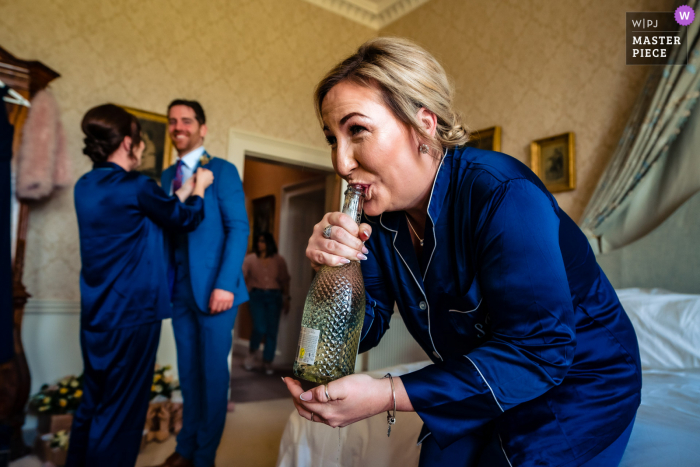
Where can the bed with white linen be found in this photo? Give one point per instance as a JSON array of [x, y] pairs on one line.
[[667, 428]]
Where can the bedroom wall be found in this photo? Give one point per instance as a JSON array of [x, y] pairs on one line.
[[251, 63], [538, 68]]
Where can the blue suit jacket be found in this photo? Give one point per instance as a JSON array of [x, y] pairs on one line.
[[216, 249], [121, 217], [526, 333]]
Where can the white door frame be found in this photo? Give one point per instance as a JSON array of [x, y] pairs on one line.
[[289, 191], [242, 143]]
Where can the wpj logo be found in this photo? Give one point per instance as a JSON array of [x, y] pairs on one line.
[[650, 23], [654, 38]]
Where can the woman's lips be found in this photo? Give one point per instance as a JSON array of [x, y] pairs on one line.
[[364, 187]]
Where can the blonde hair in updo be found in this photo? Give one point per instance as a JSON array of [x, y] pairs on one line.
[[409, 78]]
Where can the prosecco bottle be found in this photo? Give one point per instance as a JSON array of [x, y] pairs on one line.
[[333, 314]]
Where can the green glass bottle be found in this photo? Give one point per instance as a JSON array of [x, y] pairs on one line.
[[333, 314]]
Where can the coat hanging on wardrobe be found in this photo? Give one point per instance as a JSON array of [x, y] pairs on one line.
[[6, 310]]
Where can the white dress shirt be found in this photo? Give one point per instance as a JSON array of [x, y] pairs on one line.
[[189, 163]]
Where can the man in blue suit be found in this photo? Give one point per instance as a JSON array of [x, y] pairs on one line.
[[208, 287]]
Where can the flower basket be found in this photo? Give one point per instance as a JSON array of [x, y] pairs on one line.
[[55, 404], [163, 417], [53, 423]]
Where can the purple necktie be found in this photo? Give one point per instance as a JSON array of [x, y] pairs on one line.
[[177, 181]]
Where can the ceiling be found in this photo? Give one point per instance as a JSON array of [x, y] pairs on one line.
[[372, 13]]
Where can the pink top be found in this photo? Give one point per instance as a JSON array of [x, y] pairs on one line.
[[265, 273]]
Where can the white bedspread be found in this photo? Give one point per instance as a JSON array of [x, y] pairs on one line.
[[667, 429], [666, 433]]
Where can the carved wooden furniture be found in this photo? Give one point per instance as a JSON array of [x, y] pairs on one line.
[[27, 78]]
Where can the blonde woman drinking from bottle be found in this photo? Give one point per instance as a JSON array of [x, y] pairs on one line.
[[534, 360]]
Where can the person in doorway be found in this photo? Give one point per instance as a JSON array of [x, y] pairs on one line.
[[534, 360], [208, 288], [267, 279], [123, 285]]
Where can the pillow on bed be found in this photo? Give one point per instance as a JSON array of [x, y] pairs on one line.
[[667, 326]]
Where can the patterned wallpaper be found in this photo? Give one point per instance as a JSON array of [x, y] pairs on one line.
[[534, 67], [251, 63], [538, 68]]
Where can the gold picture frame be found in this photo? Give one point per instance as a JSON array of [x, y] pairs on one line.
[[488, 138], [553, 159], [157, 156]]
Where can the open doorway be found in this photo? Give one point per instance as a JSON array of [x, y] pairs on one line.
[[303, 205], [286, 200]]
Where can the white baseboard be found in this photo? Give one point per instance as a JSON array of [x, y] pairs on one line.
[[37, 306]]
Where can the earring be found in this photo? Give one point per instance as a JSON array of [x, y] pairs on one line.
[[424, 149]]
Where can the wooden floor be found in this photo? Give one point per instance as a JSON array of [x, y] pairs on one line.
[[252, 433]]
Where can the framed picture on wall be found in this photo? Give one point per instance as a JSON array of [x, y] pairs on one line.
[[553, 159], [488, 138], [263, 215], [157, 156]]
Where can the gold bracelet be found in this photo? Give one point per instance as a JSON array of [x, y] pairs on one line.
[[391, 418]]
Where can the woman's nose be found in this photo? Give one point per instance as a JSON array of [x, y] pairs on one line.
[[345, 161]]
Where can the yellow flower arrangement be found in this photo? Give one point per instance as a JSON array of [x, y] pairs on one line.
[[60, 398], [163, 384]]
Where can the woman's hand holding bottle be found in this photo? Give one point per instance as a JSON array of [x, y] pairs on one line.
[[346, 241]]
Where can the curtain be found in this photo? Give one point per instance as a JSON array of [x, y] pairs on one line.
[[674, 179], [662, 109]]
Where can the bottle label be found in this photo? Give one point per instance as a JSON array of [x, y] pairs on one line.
[[308, 343]]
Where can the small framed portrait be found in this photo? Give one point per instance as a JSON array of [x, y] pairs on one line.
[[263, 215], [488, 138], [157, 156], [553, 159]]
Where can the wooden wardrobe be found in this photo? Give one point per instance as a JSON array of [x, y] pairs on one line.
[[27, 78]]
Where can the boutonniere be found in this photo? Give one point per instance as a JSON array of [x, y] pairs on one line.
[[204, 160]]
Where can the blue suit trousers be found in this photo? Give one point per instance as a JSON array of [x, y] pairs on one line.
[[203, 344], [117, 379]]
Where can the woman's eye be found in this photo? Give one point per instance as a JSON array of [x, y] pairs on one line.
[[331, 140], [357, 129]]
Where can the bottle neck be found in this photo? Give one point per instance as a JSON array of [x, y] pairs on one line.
[[352, 206]]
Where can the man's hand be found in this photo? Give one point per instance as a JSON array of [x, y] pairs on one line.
[[220, 300], [285, 305]]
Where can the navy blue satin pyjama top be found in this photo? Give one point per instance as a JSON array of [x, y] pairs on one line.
[[526, 334]]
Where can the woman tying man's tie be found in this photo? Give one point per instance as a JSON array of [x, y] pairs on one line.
[[123, 284]]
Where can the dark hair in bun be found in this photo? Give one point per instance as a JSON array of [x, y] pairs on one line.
[[105, 127]]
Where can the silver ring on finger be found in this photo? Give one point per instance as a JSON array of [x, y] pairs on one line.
[[325, 389], [327, 231], [312, 416]]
